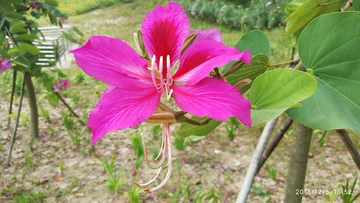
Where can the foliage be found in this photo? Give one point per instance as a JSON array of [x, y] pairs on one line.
[[136, 140], [183, 192], [345, 192], [134, 195], [258, 15], [272, 172], [76, 7], [211, 196], [28, 160], [335, 67], [114, 183]]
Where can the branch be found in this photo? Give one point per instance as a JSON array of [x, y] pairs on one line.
[[250, 174], [70, 109], [284, 63], [275, 142], [16, 121], [12, 98], [350, 146], [347, 6]]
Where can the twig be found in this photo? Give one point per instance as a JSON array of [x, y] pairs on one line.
[[16, 121], [275, 142], [350, 146], [298, 66], [63, 101], [284, 63], [12, 98], [250, 174], [347, 6]]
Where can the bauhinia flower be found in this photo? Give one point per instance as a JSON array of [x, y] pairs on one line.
[[63, 84], [35, 5], [136, 84], [4, 64]]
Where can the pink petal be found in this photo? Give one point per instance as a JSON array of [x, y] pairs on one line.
[[113, 62], [202, 57], [213, 98], [164, 31], [119, 109], [213, 34]]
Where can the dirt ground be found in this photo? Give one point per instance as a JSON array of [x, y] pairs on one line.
[[214, 162]]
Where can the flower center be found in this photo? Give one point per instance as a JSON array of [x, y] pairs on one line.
[[157, 74]]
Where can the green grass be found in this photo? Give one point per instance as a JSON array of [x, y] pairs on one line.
[[75, 7]]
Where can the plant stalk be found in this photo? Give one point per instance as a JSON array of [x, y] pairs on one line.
[[298, 163], [70, 109], [12, 98], [284, 63], [34, 116], [16, 121], [350, 146], [250, 174], [275, 142]]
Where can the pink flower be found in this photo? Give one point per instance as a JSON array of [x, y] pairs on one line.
[[136, 85], [4, 64], [132, 98], [182, 161], [63, 20], [35, 5], [257, 178], [57, 87], [65, 83]]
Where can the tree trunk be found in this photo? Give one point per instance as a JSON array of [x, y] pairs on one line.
[[34, 116], [297, 164]]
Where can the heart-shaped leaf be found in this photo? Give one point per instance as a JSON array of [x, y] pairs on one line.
[[329, 49], [275, 91]]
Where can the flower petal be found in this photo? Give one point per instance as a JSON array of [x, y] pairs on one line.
[[213, 98], [164, 31], [113, 62], [202, 57], [119, 109], [213, 34]]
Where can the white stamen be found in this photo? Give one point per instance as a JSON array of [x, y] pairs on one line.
[[169, 95], [157, 174], [169, 154], [161, 74], [153, 73]]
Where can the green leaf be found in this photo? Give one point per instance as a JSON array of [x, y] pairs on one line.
[[304, 9], [52, 2], [259, 64], [14, 15], [292, 6], [4, 5], [196, 138], [2, 21], [60, 73], [331, 52], [356, 5], [298, 23], [15, 50], [22, 61], [275, 91], [29, 48], [18, 28], [187, 129], [26, 37], [78, 31], [36, 15], [16, 2], [256, 42]]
